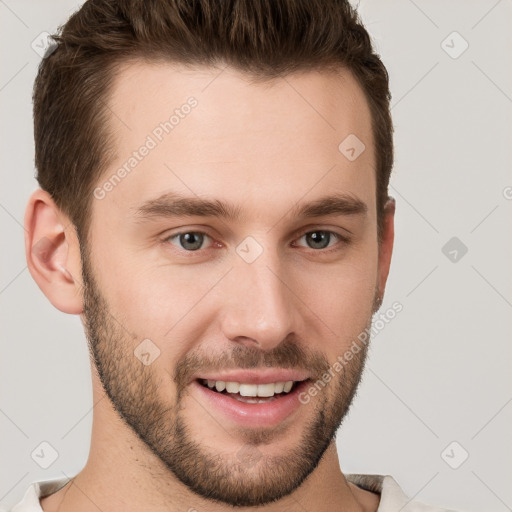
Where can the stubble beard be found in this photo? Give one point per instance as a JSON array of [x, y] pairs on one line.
[[245, 477]]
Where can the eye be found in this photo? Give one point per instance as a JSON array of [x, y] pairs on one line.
[[189, 240], [320, 239]]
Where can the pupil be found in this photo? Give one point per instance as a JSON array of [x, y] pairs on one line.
[[319, 237], [194, 239]]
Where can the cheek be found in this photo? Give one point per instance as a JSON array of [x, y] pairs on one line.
[[160, 302], [155, 300], [342, 296]]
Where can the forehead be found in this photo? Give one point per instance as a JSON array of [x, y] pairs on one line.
[[215, 131]]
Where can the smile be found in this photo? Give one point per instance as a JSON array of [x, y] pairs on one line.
[[250, 393], [262, 405]]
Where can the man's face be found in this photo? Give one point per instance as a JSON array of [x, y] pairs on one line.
[[267, 297]]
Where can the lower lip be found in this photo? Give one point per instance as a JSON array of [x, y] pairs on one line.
[[266, 414]]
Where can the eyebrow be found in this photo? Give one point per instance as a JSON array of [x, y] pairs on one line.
[[172, 204]]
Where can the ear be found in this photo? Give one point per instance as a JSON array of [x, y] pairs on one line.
[[386, 246], [53, 253]]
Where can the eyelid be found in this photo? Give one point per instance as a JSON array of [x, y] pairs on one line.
[[313, 229]]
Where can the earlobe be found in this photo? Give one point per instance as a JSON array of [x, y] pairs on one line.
[[53, 253]]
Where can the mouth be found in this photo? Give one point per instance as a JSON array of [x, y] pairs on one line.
[[251, 393], [249, 404]]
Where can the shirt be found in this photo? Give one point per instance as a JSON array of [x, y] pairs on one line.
[[392, 497]]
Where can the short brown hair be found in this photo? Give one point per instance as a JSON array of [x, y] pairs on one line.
[[265, 38]]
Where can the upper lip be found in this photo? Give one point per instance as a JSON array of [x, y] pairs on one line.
[[264, 376]]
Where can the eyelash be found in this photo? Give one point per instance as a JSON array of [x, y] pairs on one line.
[[343, 239]]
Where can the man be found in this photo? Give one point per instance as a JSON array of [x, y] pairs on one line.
[[214, 206]]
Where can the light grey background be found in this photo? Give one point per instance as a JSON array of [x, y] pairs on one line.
[[438, 373]]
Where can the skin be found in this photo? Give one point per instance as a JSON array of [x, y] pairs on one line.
[[265, 149]]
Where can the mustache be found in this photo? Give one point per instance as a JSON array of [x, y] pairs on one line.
[[289, 355]]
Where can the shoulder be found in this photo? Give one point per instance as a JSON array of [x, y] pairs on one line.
[[37, 490], [392, 496]]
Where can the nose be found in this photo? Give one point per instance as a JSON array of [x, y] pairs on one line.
[[259, 311]]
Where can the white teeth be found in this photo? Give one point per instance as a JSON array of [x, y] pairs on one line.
[[232, 387], [248, 389], [254, 400], [251, 390], [279, 387], [287, 386], [266, 389], [220, 385]]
